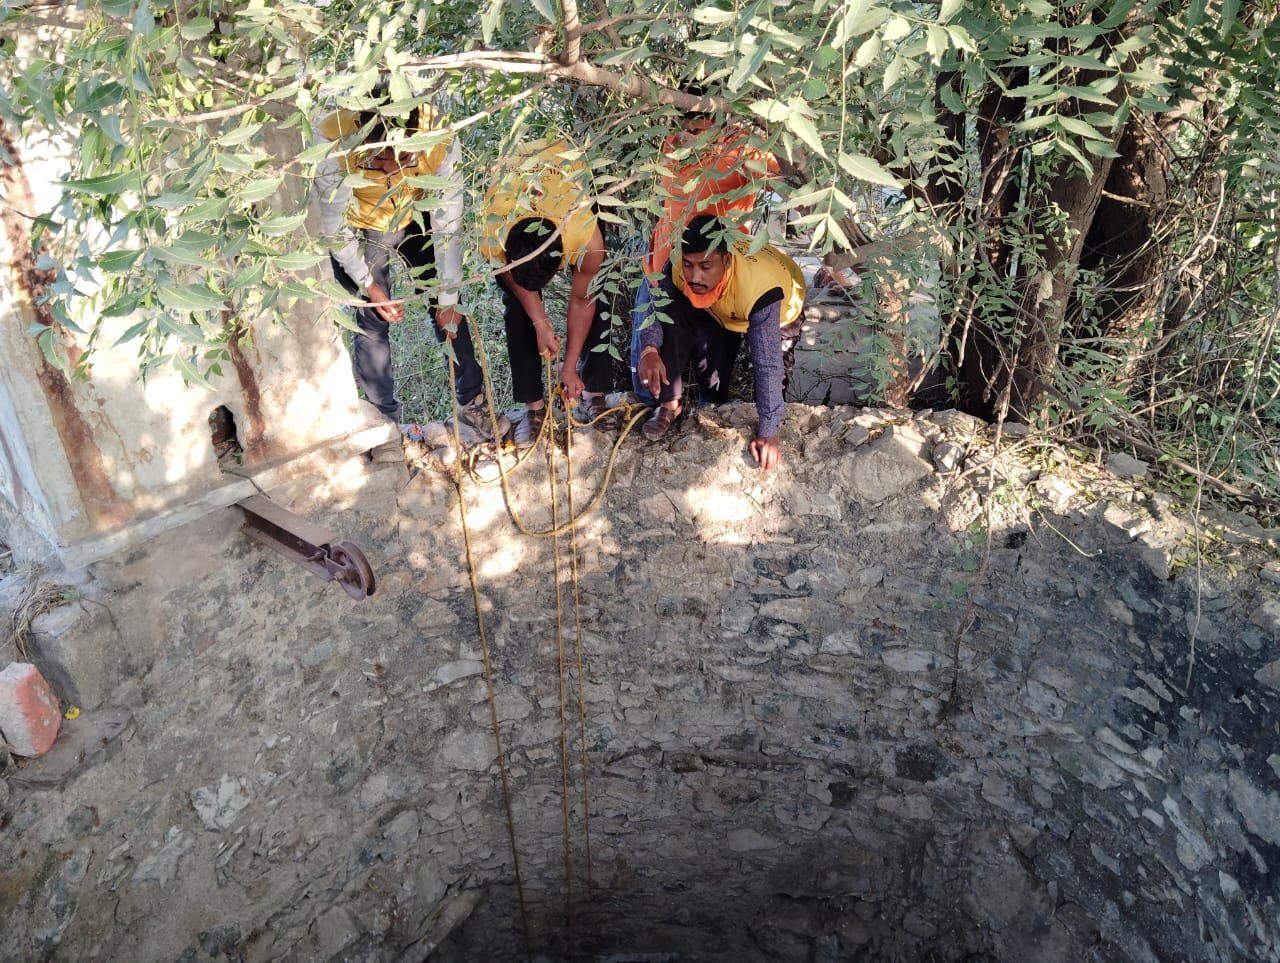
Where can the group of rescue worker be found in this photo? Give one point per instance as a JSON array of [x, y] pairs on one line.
[[706, 283]]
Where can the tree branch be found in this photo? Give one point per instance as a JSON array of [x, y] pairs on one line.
[[606, 24], [583, 71], [572, 33]]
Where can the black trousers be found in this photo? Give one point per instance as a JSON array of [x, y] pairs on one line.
[[694, 333], [596, 368]]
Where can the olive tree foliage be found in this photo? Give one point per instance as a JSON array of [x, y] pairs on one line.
[[1090, 185]]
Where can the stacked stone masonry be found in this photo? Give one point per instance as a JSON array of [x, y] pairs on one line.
[[775, 763]]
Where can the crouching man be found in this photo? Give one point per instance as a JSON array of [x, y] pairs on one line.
[[716, 293]]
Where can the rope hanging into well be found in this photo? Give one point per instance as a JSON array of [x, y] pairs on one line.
[[488, 674], [547, 433], [582, 703], [564, 745]]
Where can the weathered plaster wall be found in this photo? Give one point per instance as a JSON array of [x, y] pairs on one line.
[[770, 771], [81, 460]]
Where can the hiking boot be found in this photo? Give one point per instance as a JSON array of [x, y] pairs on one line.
[[474, 424], [656, 428], [529, 427], [597, 413]]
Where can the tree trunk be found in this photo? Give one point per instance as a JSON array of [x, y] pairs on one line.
[[1121, 246]]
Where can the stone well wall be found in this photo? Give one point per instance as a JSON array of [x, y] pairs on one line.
[[774, 768]]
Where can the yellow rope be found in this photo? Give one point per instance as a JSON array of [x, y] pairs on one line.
[[488, 675], [632, 415], [564, 744], [629, 411], [582, 707]]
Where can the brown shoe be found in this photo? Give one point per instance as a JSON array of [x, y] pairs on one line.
[[656, 428], [597, 413], [529, 427]]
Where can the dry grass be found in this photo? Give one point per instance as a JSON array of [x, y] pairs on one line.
[[39, 596]]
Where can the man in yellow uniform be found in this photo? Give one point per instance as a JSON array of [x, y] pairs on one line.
[[717, 292], [371, 221], [711, 167], [539, 219]]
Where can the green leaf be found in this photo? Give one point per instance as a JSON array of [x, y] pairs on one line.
[[546, 9], [936, 42], [281, 224], [106, 184], [124, 305], [712, 14], [211, 209], [1119, 12], [134, 331], [181, 254], [803, 127], [1101, 148], [240, 135], [771, 110], [256, 190], [99, 98], [316, 152], [296, 289], [1077, 126], [50, 351], [1036, 121], [191, 297], [190, 374], [868, 51], [893, 72], [866, 169], [144, 20], [858, 19], [298, 260], [252, 276], [196, 28], [1143, 76], [119, 261], [949, 9], [712, 48], [490, 19], [171, 202], [1061, 143], [950, 99], [898, 28], [961, 39], [1230, 10], [748, 66]]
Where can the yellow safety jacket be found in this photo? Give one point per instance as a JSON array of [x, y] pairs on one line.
[[385, 202], [747, 279], [538, 181]]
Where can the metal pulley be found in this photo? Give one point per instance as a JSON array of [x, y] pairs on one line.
[[314, 548]]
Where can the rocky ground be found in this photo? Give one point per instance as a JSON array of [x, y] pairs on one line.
[[907, 697]]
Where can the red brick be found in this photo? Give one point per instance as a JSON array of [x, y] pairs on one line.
[[29, 714]]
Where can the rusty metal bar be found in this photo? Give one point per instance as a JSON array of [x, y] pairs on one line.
[[314, 548]]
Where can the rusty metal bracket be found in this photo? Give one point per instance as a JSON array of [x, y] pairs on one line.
[[314, 548]]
